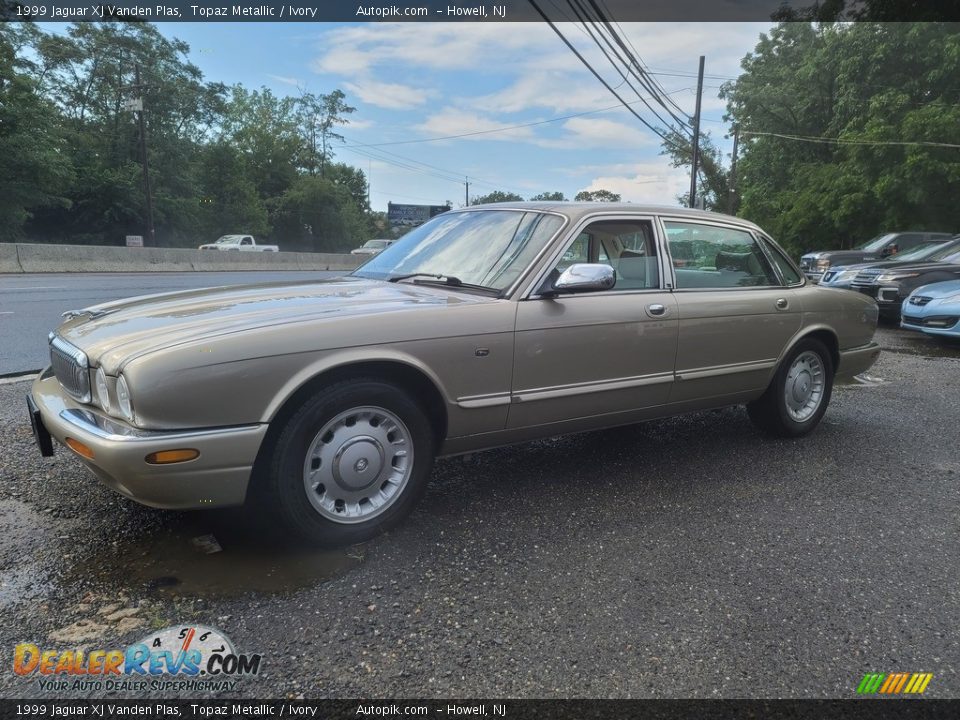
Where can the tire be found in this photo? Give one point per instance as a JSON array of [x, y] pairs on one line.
[[808, 373], [349, 464]]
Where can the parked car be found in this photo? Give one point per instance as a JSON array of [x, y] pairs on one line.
[[843, 275], [933, 309], [372, 247], [891, 286], [815, 264], [244, 243], [325, 401]]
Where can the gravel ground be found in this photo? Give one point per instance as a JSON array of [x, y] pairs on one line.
[[685, 558]]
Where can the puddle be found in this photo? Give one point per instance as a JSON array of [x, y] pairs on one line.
[[24, 572], [213, 555]]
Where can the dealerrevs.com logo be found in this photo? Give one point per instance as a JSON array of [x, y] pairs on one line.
[[181, 657]]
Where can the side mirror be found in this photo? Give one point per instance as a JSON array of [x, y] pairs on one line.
[[584, 277]]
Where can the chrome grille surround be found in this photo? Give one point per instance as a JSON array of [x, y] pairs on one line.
[[72, 368]]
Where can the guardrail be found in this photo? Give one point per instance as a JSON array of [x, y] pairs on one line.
[[29, 258]]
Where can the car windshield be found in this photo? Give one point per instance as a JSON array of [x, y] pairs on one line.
[[227, 240], [947, 253], [876, 243], [489, 248], [375, 243], [924, 251]]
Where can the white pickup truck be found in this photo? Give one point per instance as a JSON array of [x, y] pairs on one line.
[[239, 242]]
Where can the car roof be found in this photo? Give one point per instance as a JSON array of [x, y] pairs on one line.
[[577, 210]]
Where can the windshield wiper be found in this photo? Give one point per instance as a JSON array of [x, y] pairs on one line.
[[447, 279], [441, 279]]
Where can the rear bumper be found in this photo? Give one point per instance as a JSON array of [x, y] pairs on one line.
[[857, 360], [217, 478]]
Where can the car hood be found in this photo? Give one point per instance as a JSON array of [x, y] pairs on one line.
[[947, 288], [115, 330], [922, 267], [843, 257], [885, 264]]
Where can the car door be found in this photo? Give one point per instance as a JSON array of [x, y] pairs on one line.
[[596, 353], [736, 313]]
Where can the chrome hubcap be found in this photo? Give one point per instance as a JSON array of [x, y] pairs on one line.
[[803, 390], [358, 464]]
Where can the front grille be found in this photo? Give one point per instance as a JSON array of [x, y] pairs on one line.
[[940, 321], [864, 278], [908, 320], [71, 367], [919, 300]]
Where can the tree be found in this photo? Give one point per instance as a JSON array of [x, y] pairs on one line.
[[597, 196], [549, 197], [832, 118], [497, 196], [317, 117], [714, 182], [317, 215], [35, 169]]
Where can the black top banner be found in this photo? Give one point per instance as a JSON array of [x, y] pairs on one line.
[[476, 10]]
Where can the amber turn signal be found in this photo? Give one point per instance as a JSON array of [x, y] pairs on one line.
[[79, 448], [166, 457]]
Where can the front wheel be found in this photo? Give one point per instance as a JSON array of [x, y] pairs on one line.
[[350, 463], [798, 395]]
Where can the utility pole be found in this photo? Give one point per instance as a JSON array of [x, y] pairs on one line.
[[696, 138], [733, 171], [150, 239], [466, 191]]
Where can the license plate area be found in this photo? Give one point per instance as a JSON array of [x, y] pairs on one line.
[[40, 433]]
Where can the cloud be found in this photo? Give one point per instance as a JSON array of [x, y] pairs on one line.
[[296, 82], [393, 96], [454, 121], [648, 183], [583, 133]]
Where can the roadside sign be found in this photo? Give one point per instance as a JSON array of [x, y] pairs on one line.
[[134, 240]]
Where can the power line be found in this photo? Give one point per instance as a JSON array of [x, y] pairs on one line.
[[598, 76], [503, 128], [583, 18], [846, 141], [633, 64]]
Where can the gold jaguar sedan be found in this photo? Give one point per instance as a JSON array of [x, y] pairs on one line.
[[325, 402]]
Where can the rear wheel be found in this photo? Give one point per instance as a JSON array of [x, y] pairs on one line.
[[798, 395], [350, 463]]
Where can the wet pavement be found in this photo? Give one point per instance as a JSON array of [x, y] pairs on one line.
[[683, 558]]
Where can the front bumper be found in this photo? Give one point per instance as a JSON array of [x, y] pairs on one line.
[[857, 360], [218, 477]]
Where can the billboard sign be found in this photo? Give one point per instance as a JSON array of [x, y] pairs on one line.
[[412, 215]]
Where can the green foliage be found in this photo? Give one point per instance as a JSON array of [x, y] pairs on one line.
[[880, 88], [597, 196], [549, 197], [34, 168], [713, 185], [495, 197], [222, 160]]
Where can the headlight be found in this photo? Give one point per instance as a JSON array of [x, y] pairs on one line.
[[893, 277], [103, 394], [123, 398]]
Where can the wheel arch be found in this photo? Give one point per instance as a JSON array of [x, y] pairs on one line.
[[824, 334], [403, 372]]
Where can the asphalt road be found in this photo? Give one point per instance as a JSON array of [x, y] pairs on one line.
[[31, 304], [683, 558]]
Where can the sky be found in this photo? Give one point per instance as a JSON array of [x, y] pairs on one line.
[[414, 82]]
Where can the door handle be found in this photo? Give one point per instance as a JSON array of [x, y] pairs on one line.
[[656, 309], [782, 304]]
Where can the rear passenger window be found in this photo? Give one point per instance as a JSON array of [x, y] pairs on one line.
[[790, 274], [707, 256]]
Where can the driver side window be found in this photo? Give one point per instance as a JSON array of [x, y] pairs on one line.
[[627, 246]]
